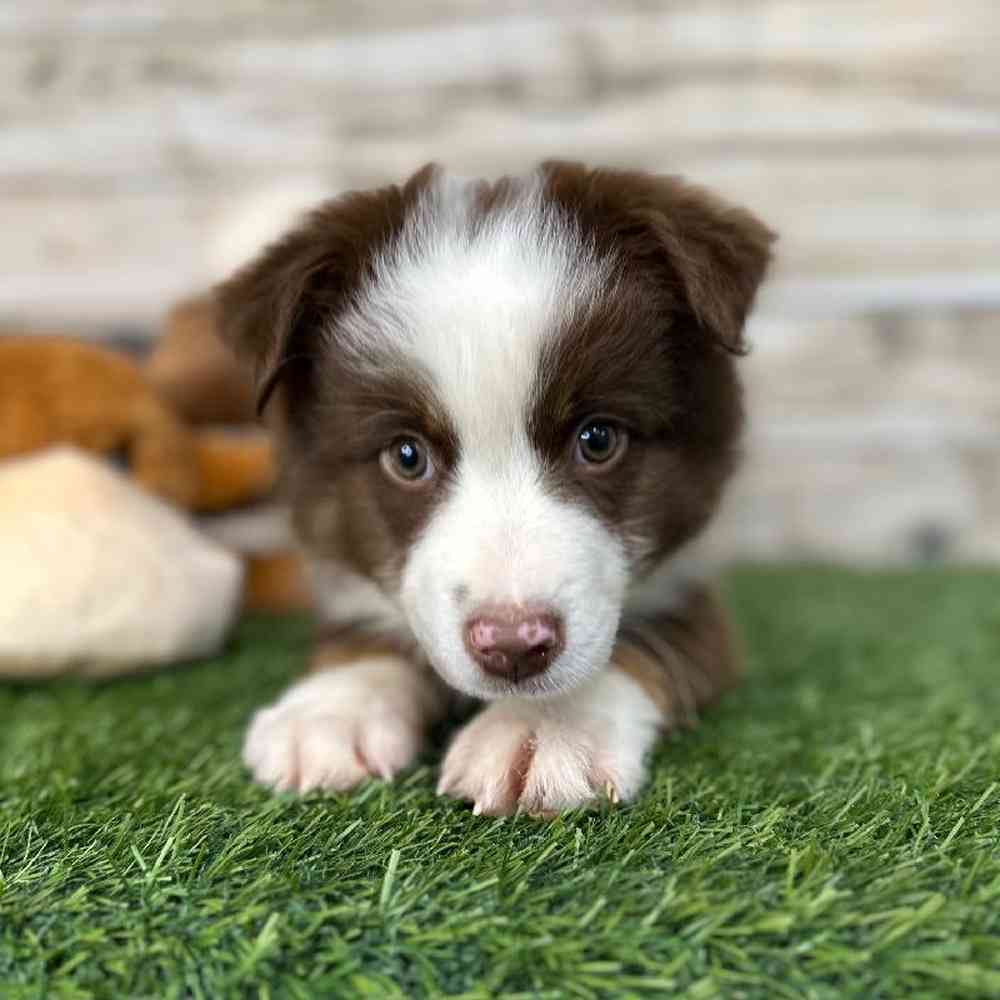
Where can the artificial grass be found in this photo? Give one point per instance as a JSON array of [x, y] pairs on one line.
[[831, 830]]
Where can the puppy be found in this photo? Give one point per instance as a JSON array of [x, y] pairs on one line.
[[504, 410]]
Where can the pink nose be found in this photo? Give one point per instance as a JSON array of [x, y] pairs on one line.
[[514, 642]]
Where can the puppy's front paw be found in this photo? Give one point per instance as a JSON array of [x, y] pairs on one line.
[[338, 728], [545, 757]]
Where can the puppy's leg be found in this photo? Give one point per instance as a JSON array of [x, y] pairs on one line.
[[361, 711], [544, 756]]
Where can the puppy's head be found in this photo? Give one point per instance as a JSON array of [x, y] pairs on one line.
[[504, 402]]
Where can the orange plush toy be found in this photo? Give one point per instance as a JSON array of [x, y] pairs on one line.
[[203, 382], [196, 373], [58, 391]]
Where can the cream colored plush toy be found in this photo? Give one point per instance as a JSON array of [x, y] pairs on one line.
[[99, 576]]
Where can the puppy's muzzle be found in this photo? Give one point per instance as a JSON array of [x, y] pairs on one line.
[[514, 643]]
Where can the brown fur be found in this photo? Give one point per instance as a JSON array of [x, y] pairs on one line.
[[338, 646], [329, 655], [340, 471], [679, 402], [706, 257], [682, 659]]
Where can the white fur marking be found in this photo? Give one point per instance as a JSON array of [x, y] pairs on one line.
[[469, 304], [507, 541]]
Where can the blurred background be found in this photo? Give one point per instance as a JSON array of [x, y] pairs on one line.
[[145, 147]]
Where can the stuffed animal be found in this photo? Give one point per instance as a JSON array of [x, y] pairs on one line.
[[204, 383], [100, 577], [195, 372], [87, 433], [59, 391]]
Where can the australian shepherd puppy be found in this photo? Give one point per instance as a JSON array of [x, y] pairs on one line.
[[505, 409]]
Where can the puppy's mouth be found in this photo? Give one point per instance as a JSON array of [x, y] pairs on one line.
[[535, 686]]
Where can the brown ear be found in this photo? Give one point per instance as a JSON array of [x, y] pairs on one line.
[[272, 310], [711, 255]]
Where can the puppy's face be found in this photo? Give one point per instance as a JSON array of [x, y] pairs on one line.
[[503, 403]]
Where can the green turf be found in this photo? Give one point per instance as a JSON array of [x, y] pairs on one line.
[[831, 830]]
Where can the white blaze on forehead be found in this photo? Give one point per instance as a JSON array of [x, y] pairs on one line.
[[470, 301]]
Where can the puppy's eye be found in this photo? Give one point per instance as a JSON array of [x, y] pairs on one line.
[[598, 442], [408, 460]]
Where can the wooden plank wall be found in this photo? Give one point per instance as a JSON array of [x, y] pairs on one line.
[[139, 142]]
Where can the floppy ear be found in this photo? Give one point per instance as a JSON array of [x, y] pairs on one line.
[[272, 311], [711, 255], [264, 307]]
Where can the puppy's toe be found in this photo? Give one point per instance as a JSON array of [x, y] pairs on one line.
[[328, 756], [562, 775], [386, 744], [270, 751], [487, 765]]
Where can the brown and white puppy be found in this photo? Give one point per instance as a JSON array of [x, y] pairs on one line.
[[505, 409]]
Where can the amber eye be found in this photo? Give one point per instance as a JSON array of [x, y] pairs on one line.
[[598, 441], [408, 459]]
